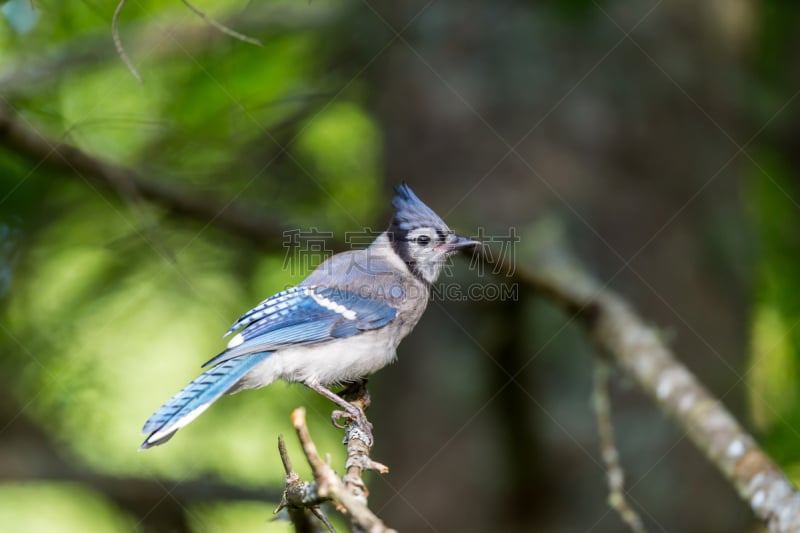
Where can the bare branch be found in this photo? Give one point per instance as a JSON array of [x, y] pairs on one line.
[[209, 20], [359, 444], [36, 74], [316, 511], [287, 462], [328, 484], [299, 497], [118, 42], [19, 137], [222, 27], [637, 348], [615, 475]]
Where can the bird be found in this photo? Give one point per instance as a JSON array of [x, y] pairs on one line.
[[339, 325]]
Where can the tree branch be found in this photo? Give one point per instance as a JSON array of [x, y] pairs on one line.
[[222, 27], [619, 332], [84, 52], [615, 475], [349, 494], [299, 498], [19, 137], [358, 444], [118, 42]]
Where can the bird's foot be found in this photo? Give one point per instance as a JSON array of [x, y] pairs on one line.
[[352, 411], [353, 416]]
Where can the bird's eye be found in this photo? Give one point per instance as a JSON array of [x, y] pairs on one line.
[[423, 240]]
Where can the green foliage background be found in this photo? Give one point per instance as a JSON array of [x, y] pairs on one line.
[[111, 303]]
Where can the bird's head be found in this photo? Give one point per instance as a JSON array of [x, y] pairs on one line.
[[420, 237]]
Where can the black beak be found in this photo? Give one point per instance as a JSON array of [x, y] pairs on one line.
[[456, 243]]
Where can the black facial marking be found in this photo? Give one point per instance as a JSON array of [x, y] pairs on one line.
[[400, 243]]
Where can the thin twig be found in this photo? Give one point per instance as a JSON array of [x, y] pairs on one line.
[[118, 42], [316, 511], [615, 475], [299, 498], [328, 484], [323, 473], [89, 51], [639, 350], [287, 462], [222, 27]]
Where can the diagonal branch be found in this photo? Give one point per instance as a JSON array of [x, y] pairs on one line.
[[118, 42], [222, 27], [615, 475], [19, 137], [620, 333], [348, 493], [268, 20]]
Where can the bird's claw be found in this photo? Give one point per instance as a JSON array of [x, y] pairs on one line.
[[336, 415], [354, 416]]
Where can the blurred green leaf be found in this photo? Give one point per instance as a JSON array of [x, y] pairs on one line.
[[342, 144], [113, 307], [62, 507], [774, 368]]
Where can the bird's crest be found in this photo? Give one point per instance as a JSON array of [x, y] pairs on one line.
[[411, 212]]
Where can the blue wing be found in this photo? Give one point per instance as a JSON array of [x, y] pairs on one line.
[[299, 316]]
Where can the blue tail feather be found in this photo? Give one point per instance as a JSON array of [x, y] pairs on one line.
[[196, 397]]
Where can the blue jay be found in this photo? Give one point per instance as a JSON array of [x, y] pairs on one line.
[[340, 324]]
